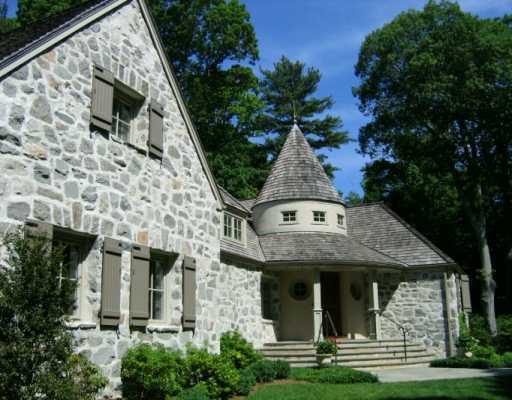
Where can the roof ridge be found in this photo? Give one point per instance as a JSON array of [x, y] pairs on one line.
[[235, 200]]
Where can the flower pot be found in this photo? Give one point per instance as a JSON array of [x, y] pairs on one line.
[[323, 359]]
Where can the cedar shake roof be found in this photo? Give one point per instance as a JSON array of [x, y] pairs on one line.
[[15, 41], [376, 226], [249, 203], [317, 247], [251, 250], [297, 174], [230, 200]]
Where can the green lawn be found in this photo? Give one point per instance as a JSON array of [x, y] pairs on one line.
[[467, 389]]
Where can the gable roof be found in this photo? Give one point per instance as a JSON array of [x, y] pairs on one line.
[[376, 226], [54, 29], [297, 174], [230, 200]]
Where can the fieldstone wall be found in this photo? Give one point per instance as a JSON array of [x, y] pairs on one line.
[[417, 301]]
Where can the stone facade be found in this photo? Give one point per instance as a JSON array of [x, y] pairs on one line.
[[56, 169], [416, 300]]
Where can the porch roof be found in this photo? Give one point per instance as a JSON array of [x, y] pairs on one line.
[[318, 247]]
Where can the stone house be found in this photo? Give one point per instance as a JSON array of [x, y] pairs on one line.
[[98, 152]]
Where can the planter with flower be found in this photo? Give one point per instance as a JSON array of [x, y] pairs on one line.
[[325, 350]]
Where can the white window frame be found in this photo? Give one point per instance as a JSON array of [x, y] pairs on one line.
[[229, 228], [128, 102], [167, 261], [319, 217], [289, 217]]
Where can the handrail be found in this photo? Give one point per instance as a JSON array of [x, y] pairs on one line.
[[330, 321], [404, 330]]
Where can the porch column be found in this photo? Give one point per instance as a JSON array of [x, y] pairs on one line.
[[374, 310], [317, 306]]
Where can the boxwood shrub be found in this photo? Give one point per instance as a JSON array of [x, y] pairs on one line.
[[462, 362], [282, 369], [241, 353], [247, 381], [339, 375], [264, 371]]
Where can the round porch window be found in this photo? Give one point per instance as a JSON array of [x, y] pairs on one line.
[[299, 290]]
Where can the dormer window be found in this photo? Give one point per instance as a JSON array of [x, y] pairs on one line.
[[289, 217], [319, 216], [232, 227], [341, 219]]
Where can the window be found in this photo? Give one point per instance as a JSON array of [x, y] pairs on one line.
[[319, 216], [299, 290], [232, 227], [156, 289], [122, 116], [289, 216], [70, 270], [340, 219], [266, 298]]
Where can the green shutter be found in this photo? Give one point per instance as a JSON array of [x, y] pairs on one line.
[[189, 293], [465, 293], [139, 286], [156, 129], [111, 282], [102, 98]]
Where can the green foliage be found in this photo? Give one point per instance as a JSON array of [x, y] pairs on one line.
[[216, 372], [32, 10], [353, 199], [462, 362], [480, 330], [503, 340], [238, 350], [6, 24], [282, 369], [332, 375], [264, 371], [326, 347], [287, 91], [152, 372], [247, 381], [207, 41], [36, 349], [197, 392], [506, 359]]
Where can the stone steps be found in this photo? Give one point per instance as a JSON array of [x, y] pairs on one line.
[[352, 353]]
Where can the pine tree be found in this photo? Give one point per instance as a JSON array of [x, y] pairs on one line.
[[288, 93]]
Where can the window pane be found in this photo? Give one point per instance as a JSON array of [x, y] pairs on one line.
[[158, 275], [228, 225], [157, 305]]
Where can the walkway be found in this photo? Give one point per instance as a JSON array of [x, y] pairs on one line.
[[426, 373]]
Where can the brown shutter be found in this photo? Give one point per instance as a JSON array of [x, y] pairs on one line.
[[189, 293], [156, 129], [465, 293], [102, 98], [111, 282], [139, 286]]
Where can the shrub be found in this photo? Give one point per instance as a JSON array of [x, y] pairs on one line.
[[217, 372], [503, 341], [264, 371], [238, 350], [479, 329], [197, 392], [247, 381], [483, 351], [336, 375], [282, 369], [151, 372], [326, 347], [36, 349], [462, 362], [506, 360]]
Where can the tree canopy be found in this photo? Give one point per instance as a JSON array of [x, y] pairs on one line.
[[32, 10], [288, 94], [437, 84]]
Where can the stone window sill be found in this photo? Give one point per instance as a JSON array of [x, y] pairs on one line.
[[270, 321], [80, 325], [319, 223], [289, 223], [162, 328]]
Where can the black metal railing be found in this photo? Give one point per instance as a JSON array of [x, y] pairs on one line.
[[404, 330]]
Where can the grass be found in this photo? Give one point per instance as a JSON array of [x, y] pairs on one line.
[[467, 389], [332, 375]]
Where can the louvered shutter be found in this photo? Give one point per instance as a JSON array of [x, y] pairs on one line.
[[465, 293], [139, 286], [189, 293], [156, 129], [111, 283], [102, 98]]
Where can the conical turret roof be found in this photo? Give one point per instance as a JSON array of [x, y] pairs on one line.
[[297, 174]]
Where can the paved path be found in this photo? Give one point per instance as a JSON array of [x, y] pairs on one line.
[[427, 373]]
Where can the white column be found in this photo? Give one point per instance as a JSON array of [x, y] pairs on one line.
[[374, 310], [317, 306]]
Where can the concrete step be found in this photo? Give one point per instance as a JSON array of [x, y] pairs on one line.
[[379, 350], [295, 357], [361, 353], [386, 362], [396, 343]]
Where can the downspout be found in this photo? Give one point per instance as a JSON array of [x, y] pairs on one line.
[[447, 300]]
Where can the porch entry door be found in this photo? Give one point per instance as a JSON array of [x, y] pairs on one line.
[[330, 284]]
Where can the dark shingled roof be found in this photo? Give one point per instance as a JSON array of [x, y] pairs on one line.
[[376, 226], [252, 250], [230, 200], [317, 247], [297, 174], [249, 203], [15, 41]]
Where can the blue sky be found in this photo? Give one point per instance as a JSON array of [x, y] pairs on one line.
[[327, 34]]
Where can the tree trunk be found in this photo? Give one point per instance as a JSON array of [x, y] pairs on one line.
[[488, 285]]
